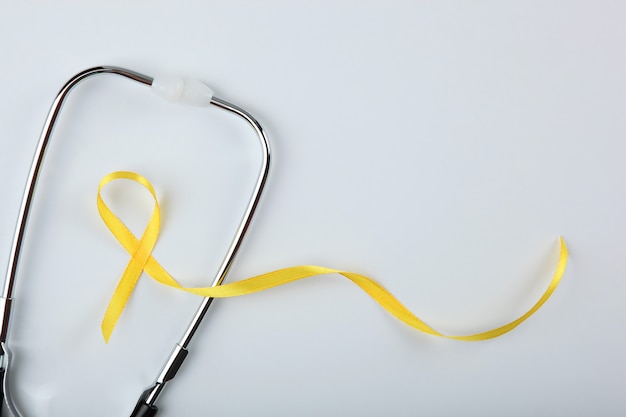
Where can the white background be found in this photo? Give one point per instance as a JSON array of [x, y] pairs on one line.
[[440, 148]]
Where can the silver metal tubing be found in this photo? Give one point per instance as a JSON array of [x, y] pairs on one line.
[[179, 353], [33, 175], [245, 223], [174, 361], [6, 300]]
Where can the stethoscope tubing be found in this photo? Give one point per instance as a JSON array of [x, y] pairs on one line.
[[146, 403]]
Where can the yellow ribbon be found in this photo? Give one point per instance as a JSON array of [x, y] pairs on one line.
[[142, 260]]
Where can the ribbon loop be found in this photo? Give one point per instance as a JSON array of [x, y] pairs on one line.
[[142, 260]]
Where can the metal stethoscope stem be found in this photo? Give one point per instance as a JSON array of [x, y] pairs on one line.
[[146, 405]]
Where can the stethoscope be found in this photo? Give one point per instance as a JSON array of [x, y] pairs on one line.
[[172, 89]]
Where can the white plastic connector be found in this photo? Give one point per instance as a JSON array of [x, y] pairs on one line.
[[168, 88], [196, 93], [173, 89]]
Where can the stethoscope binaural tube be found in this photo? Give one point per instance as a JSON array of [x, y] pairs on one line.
[[172, 89]]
